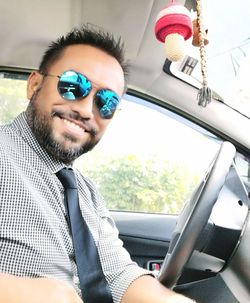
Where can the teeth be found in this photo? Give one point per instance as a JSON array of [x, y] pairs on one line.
[[71, 124]]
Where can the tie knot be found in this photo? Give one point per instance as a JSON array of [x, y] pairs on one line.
[[67, 178]]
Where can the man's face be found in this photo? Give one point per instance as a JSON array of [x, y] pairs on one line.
[[67, 129]]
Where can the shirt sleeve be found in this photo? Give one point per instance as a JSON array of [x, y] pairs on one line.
[[120, 271]]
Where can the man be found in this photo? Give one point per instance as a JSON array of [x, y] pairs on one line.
[[73, 97]]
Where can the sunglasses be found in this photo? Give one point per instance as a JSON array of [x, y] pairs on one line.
[[74, 86]]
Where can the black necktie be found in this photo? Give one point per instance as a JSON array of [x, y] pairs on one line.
[[93, 284]]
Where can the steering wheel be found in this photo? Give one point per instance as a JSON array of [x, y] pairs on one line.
[[195, 215]]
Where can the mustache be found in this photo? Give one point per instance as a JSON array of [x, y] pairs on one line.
[[75, 117]]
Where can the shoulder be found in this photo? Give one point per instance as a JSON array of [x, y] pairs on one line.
[[6, 135], [7, 150], [11, 145]]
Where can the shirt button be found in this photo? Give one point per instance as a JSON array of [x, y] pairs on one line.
[[76, 280]]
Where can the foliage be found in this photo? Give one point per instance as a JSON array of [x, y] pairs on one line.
[[12, 99], [151, 185], [127, 182]]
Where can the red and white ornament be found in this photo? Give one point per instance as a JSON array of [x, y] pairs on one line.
[[173, 26]]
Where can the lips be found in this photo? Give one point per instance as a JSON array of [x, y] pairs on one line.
[[73, 128], [70, 127], [74, 124]]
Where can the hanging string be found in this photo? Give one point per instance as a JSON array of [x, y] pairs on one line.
[[205, 94]]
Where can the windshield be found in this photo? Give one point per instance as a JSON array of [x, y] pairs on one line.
[[228, 52]]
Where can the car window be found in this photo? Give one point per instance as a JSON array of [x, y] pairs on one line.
[[12, 95], [227, 61], [150, 158]]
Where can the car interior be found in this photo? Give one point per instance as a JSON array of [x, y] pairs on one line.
[[174, 171]]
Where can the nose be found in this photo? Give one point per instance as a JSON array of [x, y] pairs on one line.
[[84, 107]]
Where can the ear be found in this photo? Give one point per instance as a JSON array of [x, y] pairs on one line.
[[34, 82]]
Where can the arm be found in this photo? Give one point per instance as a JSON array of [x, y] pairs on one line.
[[147, 289], [39, 290]]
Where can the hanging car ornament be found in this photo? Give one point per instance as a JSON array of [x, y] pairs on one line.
[[173, 27], [196, 34]]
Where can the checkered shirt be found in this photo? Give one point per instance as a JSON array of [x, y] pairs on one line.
[[34, 236]]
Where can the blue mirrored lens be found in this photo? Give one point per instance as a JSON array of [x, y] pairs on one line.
[[107, 102], [72, 85]]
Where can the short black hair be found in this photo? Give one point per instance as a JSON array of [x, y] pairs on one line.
[[98, 38]]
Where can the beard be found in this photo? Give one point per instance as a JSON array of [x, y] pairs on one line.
[[40, 124]]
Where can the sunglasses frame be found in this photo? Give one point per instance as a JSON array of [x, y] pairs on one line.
[[108, 107]]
